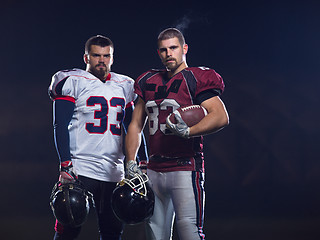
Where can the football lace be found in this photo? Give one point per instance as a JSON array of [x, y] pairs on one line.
[[190, 107]]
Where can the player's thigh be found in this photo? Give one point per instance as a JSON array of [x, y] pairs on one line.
[[108, 222], [159, 226], [183, 196], [102, 191], [163, 203], [188, 201]]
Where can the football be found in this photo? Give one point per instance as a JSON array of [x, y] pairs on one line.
[[191, 115]]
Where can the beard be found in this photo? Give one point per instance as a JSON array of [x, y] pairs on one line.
[[100, 71], [173, 65]]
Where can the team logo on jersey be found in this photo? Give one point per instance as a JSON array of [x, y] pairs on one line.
[[163, 91]]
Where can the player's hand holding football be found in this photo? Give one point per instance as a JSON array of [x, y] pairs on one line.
[[132, 169], [67, 173], [180, 128]]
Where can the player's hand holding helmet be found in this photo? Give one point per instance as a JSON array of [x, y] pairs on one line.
[[132, 200], [67, 173], [180, 128], [132, 169]]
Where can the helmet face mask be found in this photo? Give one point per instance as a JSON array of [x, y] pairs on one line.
[[70, 203], [133, 200], [138, 184]]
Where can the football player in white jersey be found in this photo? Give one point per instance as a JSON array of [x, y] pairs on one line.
[[176, 162], [92, 109]]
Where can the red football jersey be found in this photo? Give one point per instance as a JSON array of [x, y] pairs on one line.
[[162, 96]]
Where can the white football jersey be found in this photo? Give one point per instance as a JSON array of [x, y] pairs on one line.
[[96, 142]]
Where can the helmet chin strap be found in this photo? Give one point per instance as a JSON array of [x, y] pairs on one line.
[[68, 206]]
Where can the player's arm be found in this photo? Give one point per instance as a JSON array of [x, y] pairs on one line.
[[133, 137], [142, 155], [63, 111], [216, 119]]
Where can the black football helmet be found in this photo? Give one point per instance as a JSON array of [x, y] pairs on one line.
[[132, 200], [70, 203]]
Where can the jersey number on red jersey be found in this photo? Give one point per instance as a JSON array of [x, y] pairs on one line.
[[154, 112]]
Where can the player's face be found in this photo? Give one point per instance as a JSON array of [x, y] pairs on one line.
[[172, 54], [99, 61]]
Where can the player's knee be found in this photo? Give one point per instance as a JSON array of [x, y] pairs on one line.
[[186, 226], [187, 221]]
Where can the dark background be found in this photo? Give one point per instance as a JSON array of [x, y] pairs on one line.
[[262, 171]]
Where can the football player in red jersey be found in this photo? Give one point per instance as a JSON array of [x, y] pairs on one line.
[[176, 163]]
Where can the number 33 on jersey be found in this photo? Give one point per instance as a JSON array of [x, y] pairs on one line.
[[99, 109]]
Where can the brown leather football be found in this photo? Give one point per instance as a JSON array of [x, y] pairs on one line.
[[191, 115]]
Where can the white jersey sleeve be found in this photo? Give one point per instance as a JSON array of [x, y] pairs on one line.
[[65, 83]]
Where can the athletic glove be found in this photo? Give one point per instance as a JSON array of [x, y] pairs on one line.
[[180, 129], [67, 173], [132, 169]]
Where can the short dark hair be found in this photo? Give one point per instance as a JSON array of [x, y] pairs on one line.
[[98, 40], [171, 33]]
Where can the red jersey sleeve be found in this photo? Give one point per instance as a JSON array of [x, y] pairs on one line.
[[208, 79]]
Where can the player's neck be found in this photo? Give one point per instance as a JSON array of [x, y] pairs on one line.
[[175, 71]]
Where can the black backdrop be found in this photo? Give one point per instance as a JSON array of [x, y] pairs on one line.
[[262, 171]]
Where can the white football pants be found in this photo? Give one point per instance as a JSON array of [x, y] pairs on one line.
[[178, 194]]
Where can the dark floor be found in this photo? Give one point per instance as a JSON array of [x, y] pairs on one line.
[[216, 229]]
